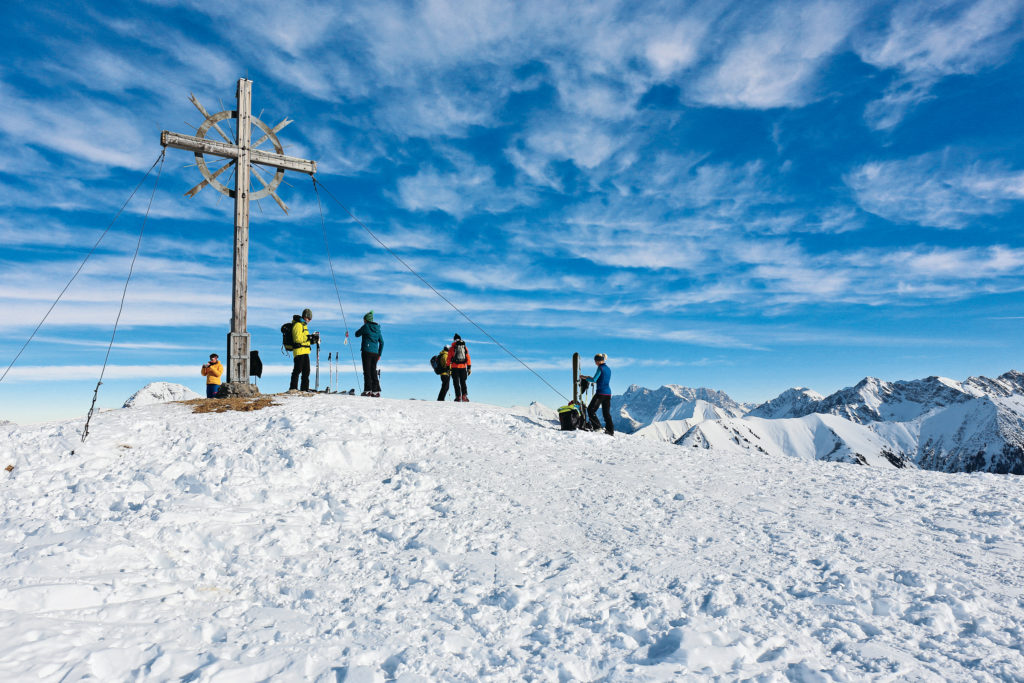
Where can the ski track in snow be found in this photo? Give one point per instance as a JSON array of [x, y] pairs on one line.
[[340, 538]]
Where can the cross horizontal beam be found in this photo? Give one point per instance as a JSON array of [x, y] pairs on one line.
[[191, 143]]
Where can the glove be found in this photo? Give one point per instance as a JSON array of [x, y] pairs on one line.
[[469, 371]]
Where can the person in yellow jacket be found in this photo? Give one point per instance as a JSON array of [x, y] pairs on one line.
[[212, 371], [446, 373], [301, 341]]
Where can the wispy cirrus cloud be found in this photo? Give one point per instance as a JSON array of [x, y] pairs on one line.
[[943, 190], [778, 54], [927, 40]]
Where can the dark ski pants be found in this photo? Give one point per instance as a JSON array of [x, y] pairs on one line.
[[370, 380], [445, 381], [300, 366], [605, 401], [459, 381], [211, 390]]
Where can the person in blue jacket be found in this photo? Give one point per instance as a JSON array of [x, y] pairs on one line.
[[602, 395], [372, 348]]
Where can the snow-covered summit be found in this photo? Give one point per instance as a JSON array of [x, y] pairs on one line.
[[333, 537], [639, 406], [160, 392]]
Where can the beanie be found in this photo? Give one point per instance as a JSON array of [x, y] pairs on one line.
[[458, 338]]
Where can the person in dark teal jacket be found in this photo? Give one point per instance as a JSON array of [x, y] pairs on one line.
[[372, 348], [602, 379]]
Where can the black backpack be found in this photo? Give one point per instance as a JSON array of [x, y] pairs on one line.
[[438, 365], [287, 340]]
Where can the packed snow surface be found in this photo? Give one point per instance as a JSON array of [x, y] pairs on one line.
[[160, 392], [344, 538]]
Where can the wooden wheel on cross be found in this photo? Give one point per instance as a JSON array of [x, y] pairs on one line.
[[212, 122]]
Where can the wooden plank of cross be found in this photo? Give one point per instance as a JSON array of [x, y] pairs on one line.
[[243, 157]]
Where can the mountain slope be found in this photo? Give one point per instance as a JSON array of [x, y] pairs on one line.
[[339, 538], [811, 437]]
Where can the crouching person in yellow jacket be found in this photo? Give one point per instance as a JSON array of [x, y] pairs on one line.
[[212, 371]]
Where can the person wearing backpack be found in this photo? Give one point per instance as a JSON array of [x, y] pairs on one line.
[[446, 372], [462, 367], [602, 395], [212, 371], [300, 343], [372, 348]]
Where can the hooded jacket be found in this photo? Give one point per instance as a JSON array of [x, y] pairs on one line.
[[373, 340]]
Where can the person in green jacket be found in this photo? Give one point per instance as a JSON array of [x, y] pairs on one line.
[[372, 348]]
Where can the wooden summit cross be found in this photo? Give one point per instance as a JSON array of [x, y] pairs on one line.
[[243, 157]]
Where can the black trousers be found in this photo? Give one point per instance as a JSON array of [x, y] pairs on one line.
[[445, 380], [370, 380], [300, 366], [605, 401], [459, 380]]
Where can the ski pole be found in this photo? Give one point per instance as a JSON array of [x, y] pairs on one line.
[[329, 375], [317, 387]]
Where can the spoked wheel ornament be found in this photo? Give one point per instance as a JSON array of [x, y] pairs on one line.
[[210, 177]]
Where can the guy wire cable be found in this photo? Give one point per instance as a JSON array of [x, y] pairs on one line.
[[80, 266], [457, 309], [323, 226], [124, 293]]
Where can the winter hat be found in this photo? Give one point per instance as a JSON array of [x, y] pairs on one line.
[[600, 357], [458, 338], [307, 314], [368, 317]]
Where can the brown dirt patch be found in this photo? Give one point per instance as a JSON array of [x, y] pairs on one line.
[[223, 405]]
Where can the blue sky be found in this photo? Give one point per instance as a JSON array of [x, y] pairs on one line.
[[746, 196]]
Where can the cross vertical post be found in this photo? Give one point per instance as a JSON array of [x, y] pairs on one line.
[[238, 337], [243, 155]]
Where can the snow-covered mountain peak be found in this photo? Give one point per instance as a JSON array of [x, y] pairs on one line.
[[160, 392], [794, 401]]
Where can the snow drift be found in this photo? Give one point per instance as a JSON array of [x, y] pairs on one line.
[[336, 538]]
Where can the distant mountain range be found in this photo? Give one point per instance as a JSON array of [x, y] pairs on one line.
[[933, 423], [639, 407]]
